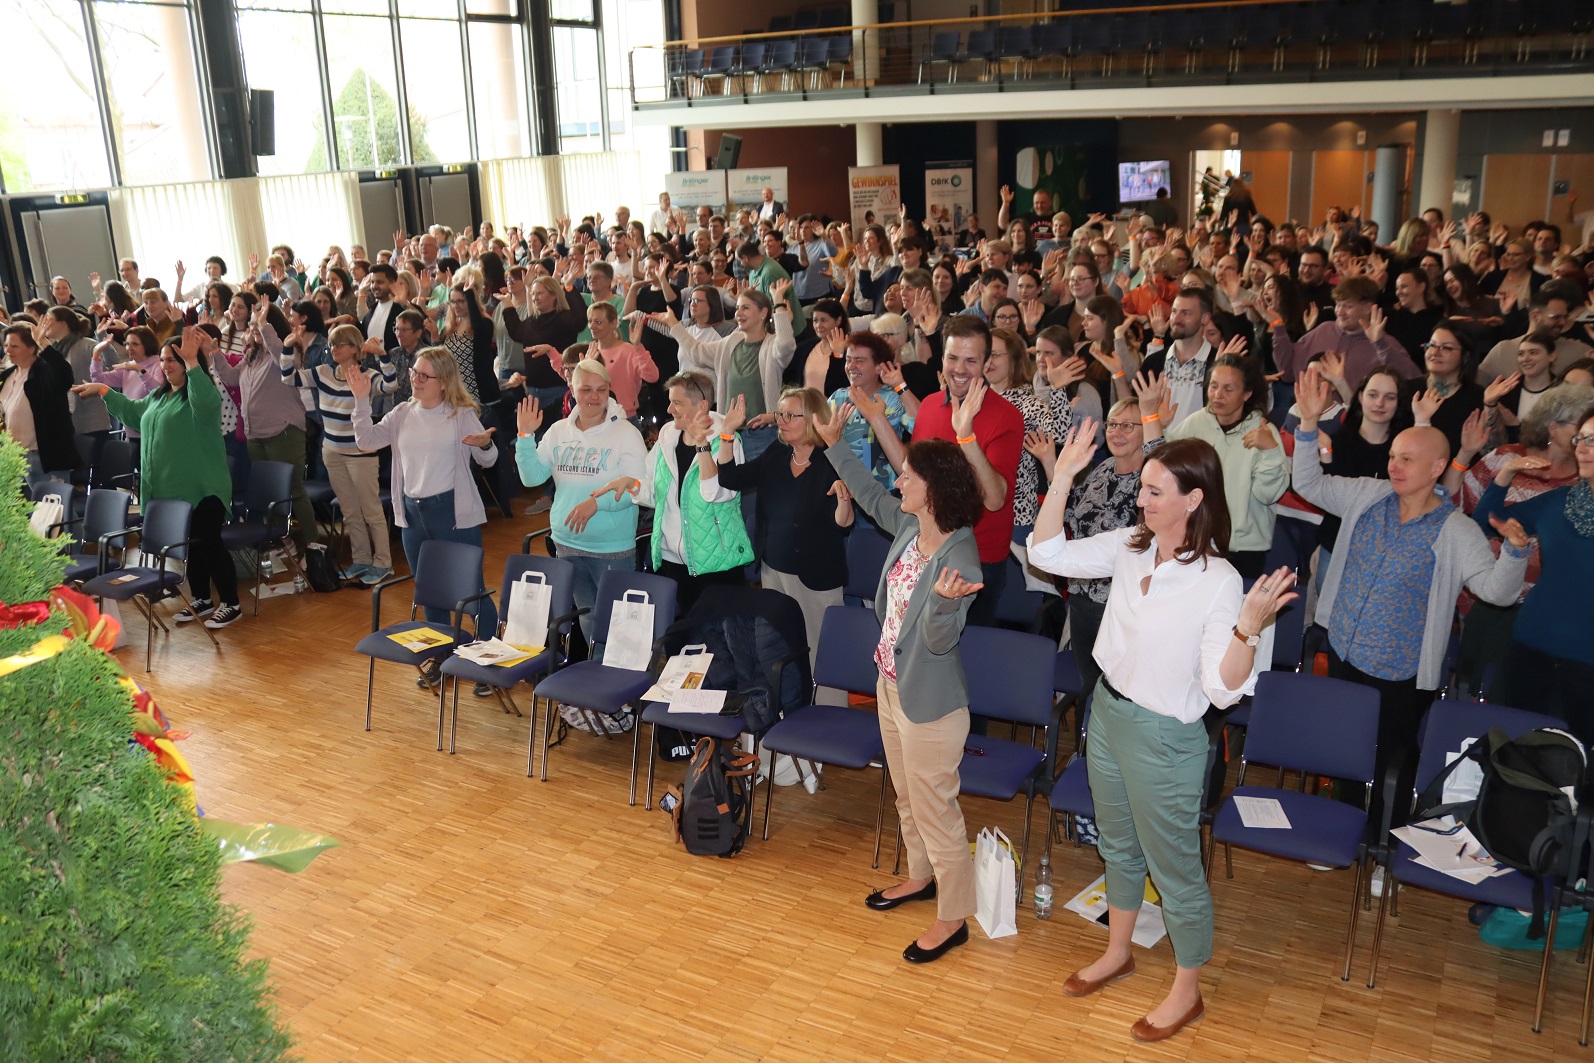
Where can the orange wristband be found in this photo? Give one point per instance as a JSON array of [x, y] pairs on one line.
[[727, 437], [1118, 375], [1456, 465], [964, 439], [1150, 418]]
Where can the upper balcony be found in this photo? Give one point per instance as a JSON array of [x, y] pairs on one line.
[[1231, 56]]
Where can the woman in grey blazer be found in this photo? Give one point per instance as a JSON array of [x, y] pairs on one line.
[[923, 602]]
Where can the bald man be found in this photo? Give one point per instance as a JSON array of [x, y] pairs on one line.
[[1403, 553]]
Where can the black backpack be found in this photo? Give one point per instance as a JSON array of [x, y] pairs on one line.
[[715, 809], [320, 569], [1525, 814]]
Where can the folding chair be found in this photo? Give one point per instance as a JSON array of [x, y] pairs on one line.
[[596, 687], [1317, 726], [268, 501], [103, 516], [164, 534], [501, 679], [837, 734], [447, 576]]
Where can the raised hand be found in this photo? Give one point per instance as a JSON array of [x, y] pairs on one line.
[[1261, 438], [1310, 316], [964, 411], [830, 431], [1520, 463], [1507, 298], [1007, 193], [1376, 321], [619, 486], [735, 414], [1425, 404], [94, 281], [1332, 365], [952, 585], [1501, 388], [359, 382], [1065, 372], [1040, 445], [528, 416], [1475, 432], [1079, 446], [191, 347], [891, 375], [778, 290], [1266, 598], [89, 389], [479, 439], [871, 410], [1234, 345], [1111, 362], [1159, 319]]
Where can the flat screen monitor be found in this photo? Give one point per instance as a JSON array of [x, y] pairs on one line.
[[1139, 181]]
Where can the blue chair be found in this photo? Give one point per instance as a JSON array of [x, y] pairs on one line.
[[719, 610], [1070, 798], [263, 523], [447, 576], [560, 577], [164, 535], [103, 517], [1316, 726], [1446, 728], [1018, 606], [595, 686], [813, 53], [981, 46], [943, 49], [719, 65], [686, 67], [1016, 43], [837, 734], [839, 57], [118, 466], [749, 63], [867, 550], [781, 59], [1055, 40]]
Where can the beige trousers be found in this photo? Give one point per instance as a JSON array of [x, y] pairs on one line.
[[354, 481], [924, 759]]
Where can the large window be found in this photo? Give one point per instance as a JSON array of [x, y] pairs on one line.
[[147, 51], [498, 83], [50, 136], [629, 24], [434, 77], [580, 89], [279, 55], [364, 91]]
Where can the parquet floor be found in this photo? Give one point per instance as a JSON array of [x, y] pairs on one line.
[[475, 914]]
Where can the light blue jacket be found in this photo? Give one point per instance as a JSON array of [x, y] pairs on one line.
[[580, 462]]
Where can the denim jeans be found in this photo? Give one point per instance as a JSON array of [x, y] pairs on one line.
[[433, 519], [589, 571]]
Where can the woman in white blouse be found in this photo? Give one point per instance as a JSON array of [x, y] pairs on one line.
[[1148, 746]]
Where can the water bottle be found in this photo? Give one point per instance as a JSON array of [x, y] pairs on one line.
[[1043, 889]]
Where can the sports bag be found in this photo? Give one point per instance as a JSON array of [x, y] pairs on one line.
[[715, 808], [1525, 814]]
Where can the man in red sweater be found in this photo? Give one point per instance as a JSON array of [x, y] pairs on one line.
[[990, 432]]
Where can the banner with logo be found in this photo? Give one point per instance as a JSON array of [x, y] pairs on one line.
[[746, 186], [696, 188], [948, 201], [877, 191]]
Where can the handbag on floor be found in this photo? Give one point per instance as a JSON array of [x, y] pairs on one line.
[[995, 884]]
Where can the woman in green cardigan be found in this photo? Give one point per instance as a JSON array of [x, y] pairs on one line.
[[184, 458]]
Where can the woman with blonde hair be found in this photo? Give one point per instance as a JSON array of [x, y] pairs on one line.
[[435, 436], [544, 330]]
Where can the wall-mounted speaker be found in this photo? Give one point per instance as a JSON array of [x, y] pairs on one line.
[[730, 152], [262, 122]]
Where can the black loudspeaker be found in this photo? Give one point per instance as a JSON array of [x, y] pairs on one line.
[[262, 122], [730, 152]]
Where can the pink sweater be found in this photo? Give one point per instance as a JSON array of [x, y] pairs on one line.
[[629, 366]]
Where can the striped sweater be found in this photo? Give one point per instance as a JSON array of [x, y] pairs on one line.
[[333, 396]]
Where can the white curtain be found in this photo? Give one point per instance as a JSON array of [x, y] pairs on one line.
[[536, 190], [160, 225]]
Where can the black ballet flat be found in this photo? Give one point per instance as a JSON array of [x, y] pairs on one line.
[[914, 954], [881, 903]]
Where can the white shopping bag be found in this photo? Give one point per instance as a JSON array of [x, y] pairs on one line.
[[995, 884], [630, 640], [529, 607], [47, 513]]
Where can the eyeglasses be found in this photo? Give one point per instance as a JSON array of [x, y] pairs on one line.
[[416, 374], [1583, 441], [1121, 426], [784, 416], [1447, 348]]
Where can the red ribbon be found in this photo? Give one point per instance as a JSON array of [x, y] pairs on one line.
[[14, 616]]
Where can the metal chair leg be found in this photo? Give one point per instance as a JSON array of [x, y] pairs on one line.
[[531, 734], [769, 798], [880, 819], [896, 863], [370, 681], [1023, 850], [636, 743], [1355, 913], [1228, 860], [1544, 967], [440, 716], [1588, 997], [149, 629], [547, 736], [1378, 929], [209, 633], [653, 746]]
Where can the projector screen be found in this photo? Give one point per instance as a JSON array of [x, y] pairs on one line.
[[1139, 181]]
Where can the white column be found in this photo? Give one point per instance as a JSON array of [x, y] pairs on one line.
[[1441, 134], [866, 43], [870, 152], [986, 198]]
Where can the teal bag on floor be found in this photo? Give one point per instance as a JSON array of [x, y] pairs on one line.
[[1507, 928]]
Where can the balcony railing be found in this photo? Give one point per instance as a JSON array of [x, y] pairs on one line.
[[1226, 42]]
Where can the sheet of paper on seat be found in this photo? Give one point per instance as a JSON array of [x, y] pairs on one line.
[[422, 638], [1465, 782], [699, 701], [1458, 855], [496, 652], [1260, 813]]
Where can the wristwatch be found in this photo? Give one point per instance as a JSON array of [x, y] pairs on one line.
[[1250, 640], [704, 449]]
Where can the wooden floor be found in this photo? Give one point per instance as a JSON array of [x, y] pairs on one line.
[[475, 914]]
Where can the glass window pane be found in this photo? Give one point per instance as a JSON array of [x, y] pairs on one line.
[[574, 10], [434, 75], [153, 81], [50, 135], [354, 7], [364, 91], [429, 8], [493, 7], [575, 54], [498, 80], [279, 54], [273, 5], [628, 25]]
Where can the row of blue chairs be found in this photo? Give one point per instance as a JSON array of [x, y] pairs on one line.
[[805, 58]]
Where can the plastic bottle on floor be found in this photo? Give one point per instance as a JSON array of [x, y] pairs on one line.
[[1043, 889]]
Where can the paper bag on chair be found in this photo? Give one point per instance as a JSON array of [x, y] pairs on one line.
[[995, 884], [529, 607], [630, 640]]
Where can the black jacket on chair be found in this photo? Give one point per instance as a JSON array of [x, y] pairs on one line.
[[48, 386]]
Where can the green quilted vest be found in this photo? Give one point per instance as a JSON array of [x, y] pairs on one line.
[[713, 537]]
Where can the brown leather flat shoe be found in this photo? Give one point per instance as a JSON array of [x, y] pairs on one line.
[[1083, 987], [1144, 1031]]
